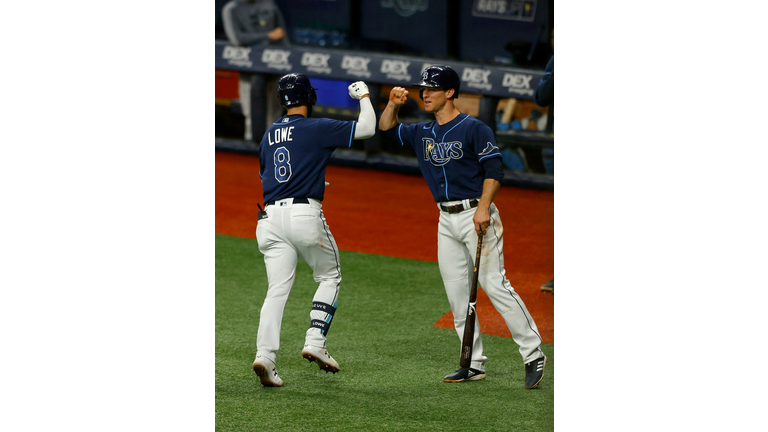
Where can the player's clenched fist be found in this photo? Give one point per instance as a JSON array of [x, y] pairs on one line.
[[398, 95], [358, 89]]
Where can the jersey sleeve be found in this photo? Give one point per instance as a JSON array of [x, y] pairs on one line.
[[493, 169], [263, 145], [402, 134], [485, 143], [545, 91], [336, 133]]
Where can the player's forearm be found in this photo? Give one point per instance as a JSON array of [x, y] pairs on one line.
[[281, 22], [490, 189], [389, 118], [253, 38], [366, 121], [482, 217]]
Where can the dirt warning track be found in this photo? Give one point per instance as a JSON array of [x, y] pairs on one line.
[[393, 214]]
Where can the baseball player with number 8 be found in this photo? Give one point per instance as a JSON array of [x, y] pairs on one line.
[[293, 155], [461, 164]]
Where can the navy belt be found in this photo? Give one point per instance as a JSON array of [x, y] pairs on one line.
[[458, 208], [295, 201]]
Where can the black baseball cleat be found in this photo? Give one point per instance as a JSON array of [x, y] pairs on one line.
[[549, 287], [465, 374], [534, 372]]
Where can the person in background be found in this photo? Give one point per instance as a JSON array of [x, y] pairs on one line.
[[545, 96], [250, 23]]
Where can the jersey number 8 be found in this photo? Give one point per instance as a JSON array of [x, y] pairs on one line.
[[282, 165]]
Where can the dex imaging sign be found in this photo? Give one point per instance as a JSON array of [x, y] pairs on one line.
[[396, 69], [518, 83], [476, 78], [276, 59], [356, 65], [316, 62], [237, 56]]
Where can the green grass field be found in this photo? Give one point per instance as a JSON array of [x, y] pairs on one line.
[[392, 359]]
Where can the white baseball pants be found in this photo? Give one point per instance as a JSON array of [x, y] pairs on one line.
[[291, 231], [456, 248]]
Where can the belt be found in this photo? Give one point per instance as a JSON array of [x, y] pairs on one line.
[[295, 201], [458, 208]]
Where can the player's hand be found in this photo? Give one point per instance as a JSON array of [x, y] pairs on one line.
[[482, 220], [358, 89], [276, 34], [398, 95]]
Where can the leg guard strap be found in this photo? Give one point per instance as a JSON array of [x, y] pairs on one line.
[[324, 326]]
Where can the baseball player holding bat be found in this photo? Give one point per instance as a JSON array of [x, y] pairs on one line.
[[462, 166], [293, 155]]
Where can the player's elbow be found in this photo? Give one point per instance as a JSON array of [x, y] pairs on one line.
[[365, 130], [386, 125], [366, 123], [494, 169], [542, 99]]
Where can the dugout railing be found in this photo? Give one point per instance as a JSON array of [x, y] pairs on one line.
[[534, 149]]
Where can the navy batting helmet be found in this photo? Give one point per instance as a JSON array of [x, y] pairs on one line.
[[294, 89], [439, 77]]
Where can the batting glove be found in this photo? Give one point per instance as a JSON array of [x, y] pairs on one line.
[[358, 89]]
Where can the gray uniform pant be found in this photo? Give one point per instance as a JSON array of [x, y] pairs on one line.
[[258, 99]]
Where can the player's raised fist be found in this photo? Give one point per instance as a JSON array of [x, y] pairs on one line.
[[398, 95], [358, 89]]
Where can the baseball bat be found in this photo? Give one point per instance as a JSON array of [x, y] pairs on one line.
[[469, 324]]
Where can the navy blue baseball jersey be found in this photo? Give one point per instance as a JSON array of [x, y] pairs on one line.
[[294, 154], [545, 90], [451, 156]]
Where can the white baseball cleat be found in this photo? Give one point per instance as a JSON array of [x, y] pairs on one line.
[[267, 372], [321, 357]]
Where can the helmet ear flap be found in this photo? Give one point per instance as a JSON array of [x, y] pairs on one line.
[[421, 93]]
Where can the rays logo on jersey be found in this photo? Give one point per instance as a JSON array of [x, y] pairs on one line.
[[441, 153], [488, 149]]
